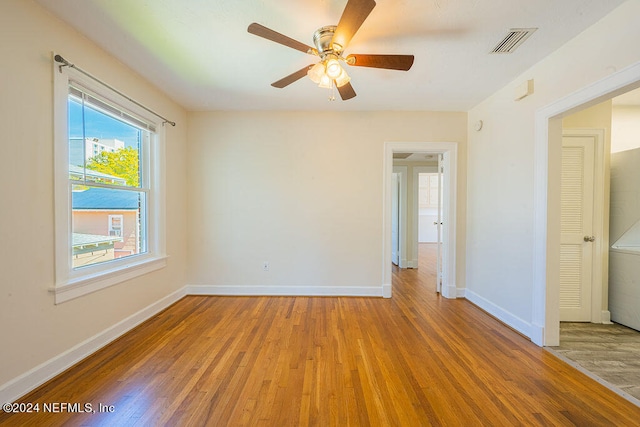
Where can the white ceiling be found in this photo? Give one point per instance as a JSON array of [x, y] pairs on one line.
[[200, 54]]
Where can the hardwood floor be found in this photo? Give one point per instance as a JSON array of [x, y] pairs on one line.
[[415, 359]]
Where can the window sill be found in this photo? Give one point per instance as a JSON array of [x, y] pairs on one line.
[[77, 287]]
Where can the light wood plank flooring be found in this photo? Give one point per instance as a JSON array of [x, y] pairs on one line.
[[413, 360]]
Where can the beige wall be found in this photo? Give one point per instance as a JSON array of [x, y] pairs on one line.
[[500, 227], [625, 133], [303, 191], [595, 117], [34, 329]]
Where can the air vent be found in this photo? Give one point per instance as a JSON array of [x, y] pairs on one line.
[[513, 39]]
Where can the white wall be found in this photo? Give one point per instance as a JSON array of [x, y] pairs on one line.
[[35, 330], [625, 192], [624, 286], [286, 188], [500, 227]]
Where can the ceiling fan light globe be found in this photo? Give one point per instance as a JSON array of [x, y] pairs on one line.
[[316, 72], [333, 68], [326, 82], [342, 79]]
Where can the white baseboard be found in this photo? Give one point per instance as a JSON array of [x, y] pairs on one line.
[[537, 334], [333, 291], [42, 373], [450, 291], [501, 314], [606, 317], [461, 292], [386, 291], [412, 263]]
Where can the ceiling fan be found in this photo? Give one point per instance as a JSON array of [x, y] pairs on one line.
[[330, 42]]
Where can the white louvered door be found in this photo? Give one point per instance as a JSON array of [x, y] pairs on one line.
[[576, 222]]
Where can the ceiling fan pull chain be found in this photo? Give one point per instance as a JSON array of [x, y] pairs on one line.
[[333, 92]]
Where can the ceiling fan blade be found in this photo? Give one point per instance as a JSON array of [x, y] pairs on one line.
[[346, 91], [293, 77], [274, 36], [389, 62], [354, 14]]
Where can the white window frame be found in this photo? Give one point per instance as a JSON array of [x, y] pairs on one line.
[[72, 283]]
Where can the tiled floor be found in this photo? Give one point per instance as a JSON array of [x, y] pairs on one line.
[[609, 352]]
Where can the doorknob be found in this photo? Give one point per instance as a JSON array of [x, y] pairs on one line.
[[589, 238]]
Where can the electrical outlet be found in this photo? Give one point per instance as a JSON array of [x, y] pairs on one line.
[[265, 266]]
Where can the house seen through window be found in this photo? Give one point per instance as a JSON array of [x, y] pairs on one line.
[[107, 181]]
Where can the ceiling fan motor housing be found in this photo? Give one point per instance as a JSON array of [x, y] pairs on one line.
[[322, 40]]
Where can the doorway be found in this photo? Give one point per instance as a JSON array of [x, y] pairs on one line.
[[583, 224], [428, 215], [429, 205], [448, 150], [545, 328]]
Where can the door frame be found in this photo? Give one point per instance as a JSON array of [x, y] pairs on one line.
[[545, 322], [450, 152]]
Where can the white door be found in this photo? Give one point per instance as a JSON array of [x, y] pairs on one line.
[[395, 218], [439, 225], [577, 227]]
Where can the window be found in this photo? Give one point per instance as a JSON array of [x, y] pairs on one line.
[[108, 198]]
